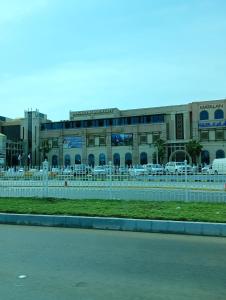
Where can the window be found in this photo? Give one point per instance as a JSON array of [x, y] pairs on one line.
[[204, 115], [156, 136], [128, 159], [55, 143], [91, 141], [143, 138], [54, 160], [102, 160], [116, 159], [220, 154], [179, 124], [135, 120], [143, 158], [102, 141], [77, 159], [205, 157], [219, 135], [91, 160], [219, 114], [67, 160], [157, 119], [204, 135]]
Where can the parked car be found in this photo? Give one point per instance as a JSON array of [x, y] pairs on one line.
[[138, 171], [80, 169], [155, 169], [99, 171], [182, 169], [174, 167], [207, 169]]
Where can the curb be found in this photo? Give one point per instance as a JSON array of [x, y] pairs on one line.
[[137, 225]]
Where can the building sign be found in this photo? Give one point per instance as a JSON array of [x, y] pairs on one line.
[[209, 106], [92, 112], [122, 139], [212, 124], [72, 142]]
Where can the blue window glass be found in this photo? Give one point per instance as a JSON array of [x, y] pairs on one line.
[[219, 114], [220, 154], [143, 119], [128, 159], [134, 120], [157, 119], [143, 158], [67, 160], [116, 159], [205, 157], [102, 160], [77, 159], [106, 122], [54, 161], [91, 160], [204, 115]]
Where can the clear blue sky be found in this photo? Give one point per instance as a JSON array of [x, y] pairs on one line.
[[58, 55]]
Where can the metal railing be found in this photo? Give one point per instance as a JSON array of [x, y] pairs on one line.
[[66, 183]]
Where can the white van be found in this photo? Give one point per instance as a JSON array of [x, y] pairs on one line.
[[219, 166]]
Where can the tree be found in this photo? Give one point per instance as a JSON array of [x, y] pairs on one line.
[[160, 146], [194, 148]]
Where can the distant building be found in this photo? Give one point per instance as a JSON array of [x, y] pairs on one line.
[[124, 137]]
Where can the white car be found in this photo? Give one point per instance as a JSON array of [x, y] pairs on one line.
[[207, 169], [175, 167], [138, 171], [99, 170], [155, 169]]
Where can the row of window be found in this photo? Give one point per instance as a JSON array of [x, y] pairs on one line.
[[104, 122], [214, 135], [218, 114], [205, 156], [122, 139], [100, 160]]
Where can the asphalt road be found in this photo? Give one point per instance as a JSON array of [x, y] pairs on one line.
[[63, 263]]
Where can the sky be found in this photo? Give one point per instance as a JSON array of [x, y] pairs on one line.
[[59, 56]]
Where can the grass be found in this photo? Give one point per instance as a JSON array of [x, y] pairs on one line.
[[192, 211]]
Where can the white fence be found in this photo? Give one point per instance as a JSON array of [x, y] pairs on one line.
[[198, 187]]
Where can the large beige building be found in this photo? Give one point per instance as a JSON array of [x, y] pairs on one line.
[[124, 137]]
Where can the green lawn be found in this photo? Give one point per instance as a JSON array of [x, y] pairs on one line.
[[207, 212]]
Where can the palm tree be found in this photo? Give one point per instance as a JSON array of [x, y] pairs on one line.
[[160, 146], [194, 148]]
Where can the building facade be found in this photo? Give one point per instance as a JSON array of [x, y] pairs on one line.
[[123, 137], [127, 137]]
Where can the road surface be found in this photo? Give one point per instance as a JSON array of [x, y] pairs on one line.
[[67, 264]]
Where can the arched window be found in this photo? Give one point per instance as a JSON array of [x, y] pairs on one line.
[[128, 159], [205, 157], [102, 160], [219, 114], [67, 160], [77, 159], [54, 160], [143, 158], [91, 160], [204, 115], [116, 159], [220, 154]]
